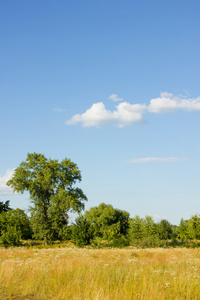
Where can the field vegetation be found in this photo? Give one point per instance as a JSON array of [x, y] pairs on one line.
[[84, 273]]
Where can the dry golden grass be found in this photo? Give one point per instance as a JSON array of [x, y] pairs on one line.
[[70, 273]]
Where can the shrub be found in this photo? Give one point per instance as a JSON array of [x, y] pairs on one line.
[[151, 241], [11, 237], [81, 233]]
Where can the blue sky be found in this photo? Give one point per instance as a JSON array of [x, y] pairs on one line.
[[115, 87]]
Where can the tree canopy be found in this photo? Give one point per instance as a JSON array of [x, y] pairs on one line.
[[106, 221], [53, 193]]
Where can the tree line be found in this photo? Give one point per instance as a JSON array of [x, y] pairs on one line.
[[53, 190]]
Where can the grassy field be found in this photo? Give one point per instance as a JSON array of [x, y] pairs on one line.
[[71, 273]]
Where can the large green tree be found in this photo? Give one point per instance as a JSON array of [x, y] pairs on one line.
[[53, 193]]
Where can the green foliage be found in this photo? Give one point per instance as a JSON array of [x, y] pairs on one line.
[[98, 242], [52, 193], [174, 235], [81, 232], [189, 229], [149, 226], [4, 207], [120, 242], [164, 229], [15, 218], [141, 228], [11, 236], [117, 242], [143, 232], [136, 230], [150, 241], [106, 222]]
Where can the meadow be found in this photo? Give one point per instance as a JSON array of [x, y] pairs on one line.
[[96, 274]]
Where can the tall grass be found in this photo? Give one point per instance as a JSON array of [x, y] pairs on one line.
[[71, 273]]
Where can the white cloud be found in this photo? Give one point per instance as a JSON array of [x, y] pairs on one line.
[[155, 159], [126, 113], [97, 115], [168, 103], [115, 98], [59, 109], [4, 189]]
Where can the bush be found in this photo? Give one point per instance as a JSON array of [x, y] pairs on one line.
[[17, 219], [98, 243], [11, 237], [120, 242], [151, 241], [81, 233]]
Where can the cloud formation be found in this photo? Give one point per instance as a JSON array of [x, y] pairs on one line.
[[4, 189], [126, 113], [168, 103], [97, 115], [115, 98], [154, 159]]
